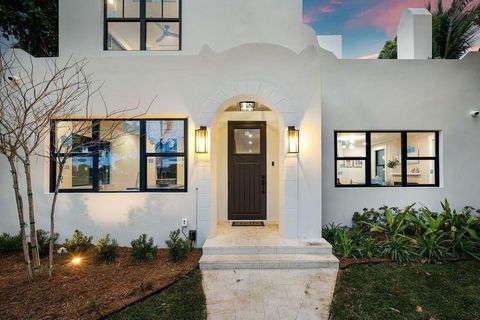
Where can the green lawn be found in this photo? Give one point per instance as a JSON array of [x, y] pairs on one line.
[[183, 300], [392, 291]]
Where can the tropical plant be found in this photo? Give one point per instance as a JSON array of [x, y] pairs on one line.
[[106, 248], [343, 244], [454, 30], [179, 248], [399, 248], [328, 231], [79, 242], [143, 249], [366, 247]]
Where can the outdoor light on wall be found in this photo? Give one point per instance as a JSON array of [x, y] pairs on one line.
[[247, 106], [293, 137], [201, 138]]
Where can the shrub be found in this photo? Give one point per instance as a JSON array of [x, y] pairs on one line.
[[343, 243], [143, 249], [79, 242], [9, 243], [366, 247], [328, 231], [179, 248], [399, 248], [43, 238], [106, 248]]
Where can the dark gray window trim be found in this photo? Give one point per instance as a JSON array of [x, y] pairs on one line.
[[368, 162], [143, 157], [143, 20]]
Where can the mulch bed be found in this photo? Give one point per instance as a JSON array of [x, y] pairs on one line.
[[347, 262], [88, 291]]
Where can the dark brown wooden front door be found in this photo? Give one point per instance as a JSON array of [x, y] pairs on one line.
[[247, 170]]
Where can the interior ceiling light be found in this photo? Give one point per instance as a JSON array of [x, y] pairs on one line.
[[247, 106]]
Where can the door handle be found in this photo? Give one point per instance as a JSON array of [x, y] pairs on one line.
[[263, 184]]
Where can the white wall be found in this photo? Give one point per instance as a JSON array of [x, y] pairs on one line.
[[220, 24], [332, 43], [402, 95]]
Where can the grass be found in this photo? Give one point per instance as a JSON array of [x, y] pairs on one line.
[[392, 291], [183, 300]]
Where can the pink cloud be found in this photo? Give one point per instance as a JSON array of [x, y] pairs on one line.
[[314, 12], [386, 14]]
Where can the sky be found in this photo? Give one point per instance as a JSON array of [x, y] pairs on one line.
[[364, 24]]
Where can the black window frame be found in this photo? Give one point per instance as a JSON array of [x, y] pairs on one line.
[[404, 158], [143, 21], [143, 155]]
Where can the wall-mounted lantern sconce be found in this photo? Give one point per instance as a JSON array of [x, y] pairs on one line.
[[201, 139], [293, 136], [247, 106]]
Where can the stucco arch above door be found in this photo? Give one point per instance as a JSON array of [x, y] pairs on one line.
[[278, 101]]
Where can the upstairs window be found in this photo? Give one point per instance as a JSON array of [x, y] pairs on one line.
[[142, 25], [386, 158]]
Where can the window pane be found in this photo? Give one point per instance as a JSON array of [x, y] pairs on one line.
[[386, 159], [166, 136], [119, 156], [163, 36], [350, 172], [165, 173], [420, 172], [351, 144], [154, 8], [73, 136], [114, 8], [77, 173], [170, 9], [132, 8], [247, 141], [421, 144], [123, 36]]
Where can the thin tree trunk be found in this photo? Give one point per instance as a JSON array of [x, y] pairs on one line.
[[51, 247], [31, 212], [21, 219]]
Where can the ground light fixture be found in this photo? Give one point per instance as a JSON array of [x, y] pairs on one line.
[[76, 261], [247, 106], [201, 138], [293, 137]]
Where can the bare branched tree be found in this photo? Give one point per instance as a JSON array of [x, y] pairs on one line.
[[73, 136], [35, 100]]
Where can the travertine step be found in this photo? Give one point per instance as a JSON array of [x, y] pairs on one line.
[[268, 261], [266, 249]]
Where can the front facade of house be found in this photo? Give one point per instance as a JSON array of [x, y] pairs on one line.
[[326, 137]]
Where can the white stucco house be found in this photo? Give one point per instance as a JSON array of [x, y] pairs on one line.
[[295, 137]]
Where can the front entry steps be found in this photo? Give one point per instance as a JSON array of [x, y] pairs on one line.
[[264, 248]]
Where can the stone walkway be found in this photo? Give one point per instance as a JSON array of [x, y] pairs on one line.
[[269, 294]]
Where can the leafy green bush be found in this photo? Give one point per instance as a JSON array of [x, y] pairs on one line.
[[179, 248], [367, 247], [328, 231], [143, 249], [343, 244], [106, 248], [9, 243], [43, 238], [79, 242], [399, 248]]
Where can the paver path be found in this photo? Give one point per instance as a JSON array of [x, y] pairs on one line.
[[269, 294]]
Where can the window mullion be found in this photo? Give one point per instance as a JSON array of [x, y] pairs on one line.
[[368, 160], [96, 151], [143, 25], [404, 158], [143, 155]]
